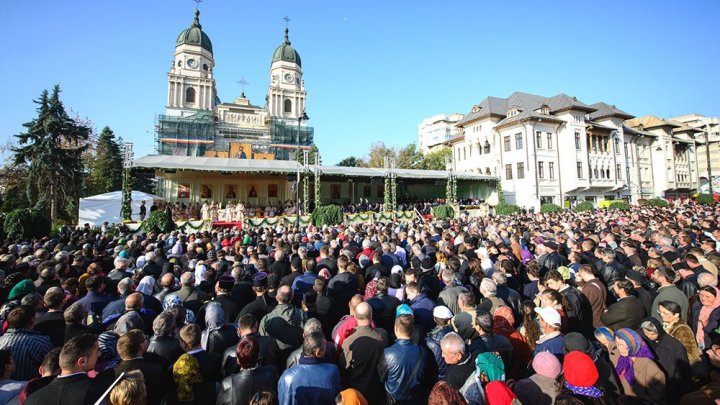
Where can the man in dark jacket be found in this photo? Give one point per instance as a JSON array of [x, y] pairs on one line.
[[192, 298], [612, 270], [311, 381], [248, 328], [73, 386], [552, 260], [131, 348], [251, 377], [402, 367], [627, 312]]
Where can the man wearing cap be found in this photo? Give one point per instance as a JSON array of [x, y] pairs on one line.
[[223, 290], [48, 278], [263, 303], [428, 281], [551, 339], [402, 366], [442, 317], [551, 259], [667, 291]]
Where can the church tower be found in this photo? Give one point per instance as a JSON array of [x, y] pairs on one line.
[[191, 85], [286, 94]]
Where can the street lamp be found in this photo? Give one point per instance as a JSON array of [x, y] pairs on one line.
[[301, 118]]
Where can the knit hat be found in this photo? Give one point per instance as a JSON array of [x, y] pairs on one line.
[[490, 367], [575, 341], [427, 264], [581, 374], [498, 393], [546, 364], [21, 289]]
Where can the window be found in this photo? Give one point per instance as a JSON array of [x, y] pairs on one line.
[[579, 170], [549, 143], [605, 144], [595, 173], [508, 172], [190, 95], [616, 145], [607, 173], [551, 169], [619, 171], [288, 106], [541, 170], [487, 147], [506, 141], [464, 153], [518, 141], [521, 170], [538, 139], [577, 140], [480, 152]]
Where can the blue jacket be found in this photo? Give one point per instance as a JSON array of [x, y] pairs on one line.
[[310, 382], [422, 307], [553, 345], [302, 284], [396, 368], [432, 341]]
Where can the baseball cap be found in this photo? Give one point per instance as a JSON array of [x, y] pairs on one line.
[[442, 312], [403, 309], [550, 315]]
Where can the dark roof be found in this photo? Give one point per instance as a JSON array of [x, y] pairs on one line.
[[563, 102], [607, 110], [488, 107], [527, 115], [195, 35], [596, 125]]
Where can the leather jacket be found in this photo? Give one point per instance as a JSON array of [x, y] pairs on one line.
[[240, 388], [166, 347], [397, 366], [432, 341], [611, 272]]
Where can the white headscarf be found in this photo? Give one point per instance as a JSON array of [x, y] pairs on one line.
[[146, 285]]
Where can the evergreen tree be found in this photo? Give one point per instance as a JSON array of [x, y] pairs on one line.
[[105, 165], [52, 147]]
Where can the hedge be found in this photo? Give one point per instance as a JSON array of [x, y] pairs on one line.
[[705, 199], [506, 209], [584, 206], [549, 208], [619, 205], [443, 211], [327, 215], [158, 222], [657, 202], [26, 223]]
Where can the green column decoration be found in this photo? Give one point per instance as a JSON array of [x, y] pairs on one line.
[[386, 195], [306, 193], [318, 197], [498, 188], [454, 189], [125, 208], [393, 194]]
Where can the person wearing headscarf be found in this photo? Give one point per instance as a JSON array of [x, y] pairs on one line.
[[542, 387], [634, 363], [443, 394], [146, 285], [218, 335], [187, 377], [173, 301], [109, 357], [580, 379], [671, 355], [503, 321], [486, 385], [706, 315]]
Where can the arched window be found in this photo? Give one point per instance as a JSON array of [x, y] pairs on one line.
[[288, 106], [190, 95]]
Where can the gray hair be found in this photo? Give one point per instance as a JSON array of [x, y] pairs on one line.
[[649, 326], [164, 324], [74, 314], [488, 288], [453, 343], [312, 325], [499, 277], [447, 276], [32, 299], [313, 342], [126, 285], [705, 279], [187, 278]]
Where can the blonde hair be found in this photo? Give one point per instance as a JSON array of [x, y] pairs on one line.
[[130, 390]]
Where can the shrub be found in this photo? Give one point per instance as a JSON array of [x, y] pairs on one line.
[[158, 222], [584, 206], [26, 223], [327, 215], [548, 208], [619, 205], [705, 199], [506, 209], [657, 202], [443, 211], [643, 202]]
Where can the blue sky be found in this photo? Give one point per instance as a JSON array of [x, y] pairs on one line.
[[373, 69]]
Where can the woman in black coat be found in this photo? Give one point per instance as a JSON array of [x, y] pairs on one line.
[[672, 357]]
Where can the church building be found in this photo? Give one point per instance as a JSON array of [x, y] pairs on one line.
[[197, 123]]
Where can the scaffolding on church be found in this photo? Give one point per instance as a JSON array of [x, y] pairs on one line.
[[284, 138], [185, 136]]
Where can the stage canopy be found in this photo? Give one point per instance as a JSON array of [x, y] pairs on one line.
[[106, 207]]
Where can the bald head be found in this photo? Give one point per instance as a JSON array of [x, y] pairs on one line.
[[134, 301], [167, 280], [705, 278], [284, 295], [354, 301], [363, 314]]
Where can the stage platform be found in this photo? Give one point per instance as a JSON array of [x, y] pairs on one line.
[[227, 224]]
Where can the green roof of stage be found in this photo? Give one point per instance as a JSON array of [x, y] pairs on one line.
[[212, 164]]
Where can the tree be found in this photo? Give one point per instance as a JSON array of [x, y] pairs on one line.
[[52, 147], [378, 153], [350, 161], [409, 157], [106, 165], [14, 186], [435, 159], [298, 155]]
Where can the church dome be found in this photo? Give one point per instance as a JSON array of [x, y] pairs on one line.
[[194, 35], [286, 53]]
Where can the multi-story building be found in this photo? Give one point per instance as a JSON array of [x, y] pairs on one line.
[[563, 151], [437, 130], [197, 123], [710, 135]]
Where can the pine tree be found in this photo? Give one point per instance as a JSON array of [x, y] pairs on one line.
[[52, 147], [106, 165]]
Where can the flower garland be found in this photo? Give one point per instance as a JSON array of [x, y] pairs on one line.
[[451, 189], [126, 207], [393, 193], [318, 197], [386, 195], [306, 194]]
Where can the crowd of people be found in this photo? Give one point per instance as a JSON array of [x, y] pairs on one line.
[[603, 307]]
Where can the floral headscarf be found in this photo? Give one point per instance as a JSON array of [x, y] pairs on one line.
[[490, 367], [636, 348], [503, 320], [173, 301], [186, 373]]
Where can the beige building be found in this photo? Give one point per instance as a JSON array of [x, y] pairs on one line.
[[710, 127]]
